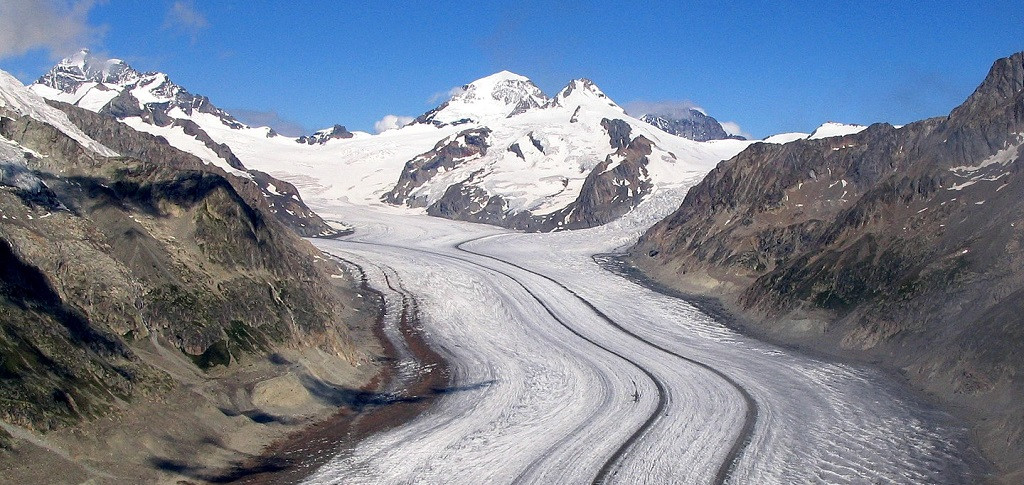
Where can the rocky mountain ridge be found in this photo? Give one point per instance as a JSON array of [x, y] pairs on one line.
[[900, 245], [323, 136], [148, 101]]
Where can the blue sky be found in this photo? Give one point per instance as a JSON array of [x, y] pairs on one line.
[[770, 67]]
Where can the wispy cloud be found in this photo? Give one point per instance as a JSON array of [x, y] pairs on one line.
[[391, 122], [445, 95], [673, 109], [58, 26], [272, 119], [733, 128], [184, 18]]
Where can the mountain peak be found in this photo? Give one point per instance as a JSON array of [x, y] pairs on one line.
[[98, 83], [503, 86], [496, 96], [84, 67], [581, 91], [581, 85], [499, 77], [1004, 81]]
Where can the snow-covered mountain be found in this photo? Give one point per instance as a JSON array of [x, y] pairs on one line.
[[150, 102], [523, 160], [114, 87], [485, 100], [498, 151]]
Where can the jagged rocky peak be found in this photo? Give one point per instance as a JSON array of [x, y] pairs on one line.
[[691, 123], [323, 136], [500, 95], [1004, 81], [83, 67], [114, 87]]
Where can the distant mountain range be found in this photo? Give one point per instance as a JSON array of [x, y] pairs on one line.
[[499, 151]]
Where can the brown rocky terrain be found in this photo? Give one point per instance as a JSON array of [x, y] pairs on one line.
[[155, 316], [903, 246]]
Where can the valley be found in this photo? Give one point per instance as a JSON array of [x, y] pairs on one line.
[[576, 375], [511, 287]]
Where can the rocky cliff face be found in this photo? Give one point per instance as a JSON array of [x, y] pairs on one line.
[[445, 156], [614, 187], [900, 245], [106, 261]]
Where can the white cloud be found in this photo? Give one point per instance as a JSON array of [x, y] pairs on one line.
[[673, 109], [391, 122], [59, 26], [446, 95], [184, 18], [733, 128]]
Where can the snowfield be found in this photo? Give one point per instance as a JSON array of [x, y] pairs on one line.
[[565, 372]]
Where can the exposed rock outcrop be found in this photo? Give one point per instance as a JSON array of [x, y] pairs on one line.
[[446, 155], [612, 189]]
